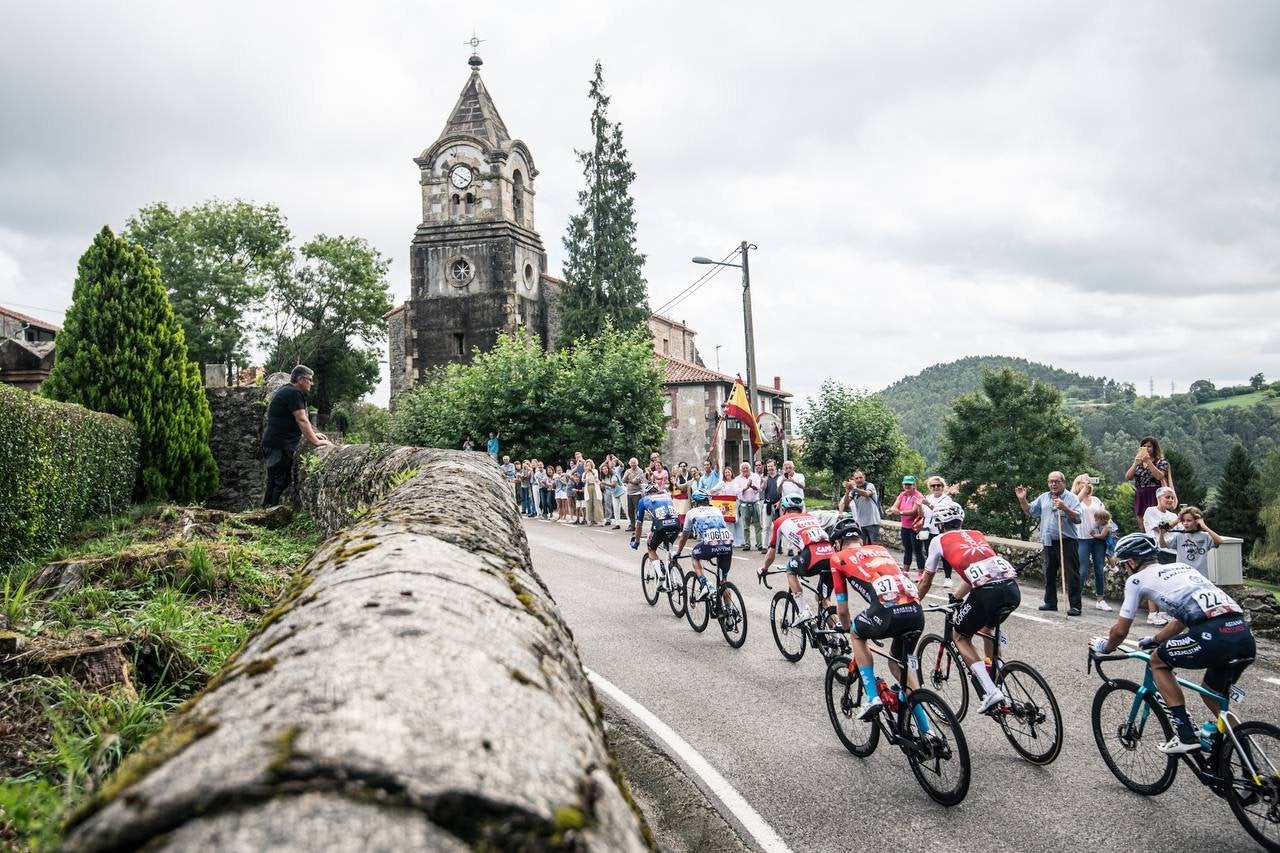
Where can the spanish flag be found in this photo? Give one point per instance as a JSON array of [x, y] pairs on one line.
[[739, 408]]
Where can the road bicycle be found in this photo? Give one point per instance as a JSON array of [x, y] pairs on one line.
[[724, 604], [662, 575], [1030, 718], [939, 758], [1239, 761], [792, 639]]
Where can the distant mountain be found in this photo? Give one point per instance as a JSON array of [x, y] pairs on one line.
[[923, 400]]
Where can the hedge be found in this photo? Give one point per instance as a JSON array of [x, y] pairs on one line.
[[59, 464]]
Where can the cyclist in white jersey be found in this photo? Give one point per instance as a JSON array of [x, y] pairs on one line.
[[1206, 630], [797, 530], [715, 540]]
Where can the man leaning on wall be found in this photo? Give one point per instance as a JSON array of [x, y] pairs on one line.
[[287, 423]]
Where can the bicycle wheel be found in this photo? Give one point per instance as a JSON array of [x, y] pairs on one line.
[[790, 640], [939, 757], [651, 575], [697, 612], [845, 698], [733, 616], [1127, 732], [1254, 801], [675, 590], [1030, 719], [943, 671]]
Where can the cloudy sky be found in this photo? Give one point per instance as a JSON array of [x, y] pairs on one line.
[[1093, 185]]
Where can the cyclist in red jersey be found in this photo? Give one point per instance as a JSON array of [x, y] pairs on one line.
[[988, 585], [798, 530], [893, 612]]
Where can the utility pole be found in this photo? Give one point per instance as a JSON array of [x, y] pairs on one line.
[[752, 392]]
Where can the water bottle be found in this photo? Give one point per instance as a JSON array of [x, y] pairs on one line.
[[1208, 732]]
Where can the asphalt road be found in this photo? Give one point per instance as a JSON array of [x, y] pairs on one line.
[[762, 723]]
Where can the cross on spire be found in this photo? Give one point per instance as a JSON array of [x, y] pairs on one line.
[[475, 61]]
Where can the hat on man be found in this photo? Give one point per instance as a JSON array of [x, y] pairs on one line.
[[908, 480]]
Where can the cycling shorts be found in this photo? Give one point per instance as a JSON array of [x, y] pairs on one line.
[[720, 555], [1209, 646], [987, 606], [903, 622], [662, 534], [814, 560]]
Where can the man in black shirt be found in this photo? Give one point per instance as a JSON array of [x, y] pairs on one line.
[[287, 422]]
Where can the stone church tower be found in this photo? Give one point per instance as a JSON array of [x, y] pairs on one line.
[[476, 265]]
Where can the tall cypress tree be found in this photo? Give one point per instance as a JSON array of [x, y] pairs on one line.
[[122, 351], [1238, 500], [602, 266]]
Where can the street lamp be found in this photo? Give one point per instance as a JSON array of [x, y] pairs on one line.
[[752, 393]]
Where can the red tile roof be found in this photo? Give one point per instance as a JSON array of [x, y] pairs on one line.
[[680, 372], [26, 318]]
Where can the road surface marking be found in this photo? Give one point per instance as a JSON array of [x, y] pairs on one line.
[[763, 834], [1271, 680]]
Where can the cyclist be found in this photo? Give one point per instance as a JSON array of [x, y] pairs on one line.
[[894, 610], [664, 523], [1206, 629], [988, 585], [715, 540], [796, 529]]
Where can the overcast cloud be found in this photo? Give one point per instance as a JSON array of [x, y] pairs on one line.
[[1093, 185]]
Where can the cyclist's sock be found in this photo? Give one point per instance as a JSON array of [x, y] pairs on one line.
[[979, 670], [1182, 723], [922, 719], [868, 674]]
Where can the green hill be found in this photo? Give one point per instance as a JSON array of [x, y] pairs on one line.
[[923, 400]]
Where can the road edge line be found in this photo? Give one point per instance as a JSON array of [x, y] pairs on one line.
[[763, 834]]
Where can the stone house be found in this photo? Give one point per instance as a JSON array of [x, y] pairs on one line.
[[26, 349]]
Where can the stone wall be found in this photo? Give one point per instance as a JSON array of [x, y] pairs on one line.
[[235, 439], [419, 690]]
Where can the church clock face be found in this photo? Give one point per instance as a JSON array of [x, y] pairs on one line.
[[460, 177]]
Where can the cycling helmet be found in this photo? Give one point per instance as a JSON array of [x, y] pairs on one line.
[[793, 500], [846, 528], [1136, 546], [700, 497], [950, 513], [652, 488]]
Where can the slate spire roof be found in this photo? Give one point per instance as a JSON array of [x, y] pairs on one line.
[[474, 114]]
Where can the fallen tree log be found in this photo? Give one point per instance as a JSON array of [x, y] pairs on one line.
[[418, 691]]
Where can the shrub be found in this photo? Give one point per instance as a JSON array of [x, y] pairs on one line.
[[59, 464], [121, 351]]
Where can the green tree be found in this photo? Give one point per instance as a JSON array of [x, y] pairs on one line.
[[218, 260], [122, 351], [844, 429], [1010, 431], [1269, 480], [328, 313], [1238, 500], [602, 267], [1264, 559], [1256, 381], [1185, 480], [1203, 390]]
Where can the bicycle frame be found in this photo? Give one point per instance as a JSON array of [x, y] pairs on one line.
[[1200, 764], [810, 628]]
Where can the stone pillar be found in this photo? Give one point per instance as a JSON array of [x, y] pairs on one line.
[[215, 376]]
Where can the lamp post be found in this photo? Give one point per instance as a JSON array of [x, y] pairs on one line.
[[752, 393]]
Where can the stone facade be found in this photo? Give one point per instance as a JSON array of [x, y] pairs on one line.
[[26, 349], [238, 416], [674, 339], [476, 264]]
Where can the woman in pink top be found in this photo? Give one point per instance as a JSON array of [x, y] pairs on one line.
[[907, 509]]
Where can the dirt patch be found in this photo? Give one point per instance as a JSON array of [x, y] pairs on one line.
[[25, 729]]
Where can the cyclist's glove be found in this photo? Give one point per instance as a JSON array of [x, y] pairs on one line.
[[1100, 645], [1147, 643]]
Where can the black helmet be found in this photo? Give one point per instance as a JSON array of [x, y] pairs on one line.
[[846, 528], [1137, 546]]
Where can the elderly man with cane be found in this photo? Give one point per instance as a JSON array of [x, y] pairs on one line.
[[1059, 513]]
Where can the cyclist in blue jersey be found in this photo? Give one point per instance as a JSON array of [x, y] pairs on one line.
[[715, 540], [664, 522], [1206, 630]]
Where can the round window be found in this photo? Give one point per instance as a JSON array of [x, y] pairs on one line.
[[528, 276], [461, 272]]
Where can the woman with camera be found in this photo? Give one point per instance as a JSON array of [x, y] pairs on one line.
[[1149, 471]]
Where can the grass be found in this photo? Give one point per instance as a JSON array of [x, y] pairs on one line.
[[1268, 397], [182, 607], [1261, 584]]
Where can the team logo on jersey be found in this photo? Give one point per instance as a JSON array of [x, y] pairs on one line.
[[1206, 635]]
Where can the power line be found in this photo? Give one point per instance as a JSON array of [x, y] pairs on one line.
[[35, 308], [690, 289]]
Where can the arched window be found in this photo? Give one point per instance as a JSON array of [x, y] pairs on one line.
[[517, 196], [455, 205], [471, 200]]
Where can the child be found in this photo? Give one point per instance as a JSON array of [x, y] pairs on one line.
[[1191, 539], [1104, 529]]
